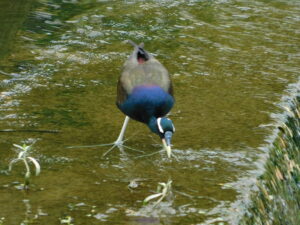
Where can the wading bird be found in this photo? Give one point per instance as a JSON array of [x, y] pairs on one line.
[[145, 94]]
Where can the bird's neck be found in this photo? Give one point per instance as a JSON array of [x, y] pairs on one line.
[[152, 124]]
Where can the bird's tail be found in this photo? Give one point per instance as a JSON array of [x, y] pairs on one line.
[[141, 45], [139, 52]]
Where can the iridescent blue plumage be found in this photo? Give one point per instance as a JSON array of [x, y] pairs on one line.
[[147, 101], [145, 93]]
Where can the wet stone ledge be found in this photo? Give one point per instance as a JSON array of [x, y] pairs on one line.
[[278, 198]]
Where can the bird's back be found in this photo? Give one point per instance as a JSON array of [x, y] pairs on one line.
[[147, 82]]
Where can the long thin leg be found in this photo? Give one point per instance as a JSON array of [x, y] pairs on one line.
[[119, 141]]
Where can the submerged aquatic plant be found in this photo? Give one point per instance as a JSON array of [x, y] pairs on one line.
[[66, 220], [163, 190], [23, 156]]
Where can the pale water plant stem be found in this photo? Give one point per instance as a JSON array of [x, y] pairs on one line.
[[163, 190], [23, 156]]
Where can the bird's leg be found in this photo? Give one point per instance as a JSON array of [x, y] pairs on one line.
[[119, 141]]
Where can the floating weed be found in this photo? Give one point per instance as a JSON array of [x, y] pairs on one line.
[[67, 220], [135, 183], [2, 220], [23, 156], [93, 211], [163, 190]]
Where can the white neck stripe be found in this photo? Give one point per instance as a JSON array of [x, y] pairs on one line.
[[159, 125]]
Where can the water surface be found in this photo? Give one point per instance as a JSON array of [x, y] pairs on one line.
[[231, 63]]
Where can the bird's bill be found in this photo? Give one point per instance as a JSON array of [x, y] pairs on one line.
[[167, 143], [167, 148]]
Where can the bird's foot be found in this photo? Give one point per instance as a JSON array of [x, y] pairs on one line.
[[121, 147], [118, 143]]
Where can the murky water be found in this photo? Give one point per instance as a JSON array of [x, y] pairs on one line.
[[231, 63]]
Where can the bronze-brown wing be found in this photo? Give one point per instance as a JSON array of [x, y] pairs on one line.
[[121, 93]]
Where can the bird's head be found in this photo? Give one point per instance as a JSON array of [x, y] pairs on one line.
[[164, 128]]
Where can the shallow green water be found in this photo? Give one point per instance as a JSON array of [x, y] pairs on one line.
[[231, 63]]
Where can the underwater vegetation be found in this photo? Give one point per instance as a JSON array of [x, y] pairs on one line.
[[23, 156], [278, 199]]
